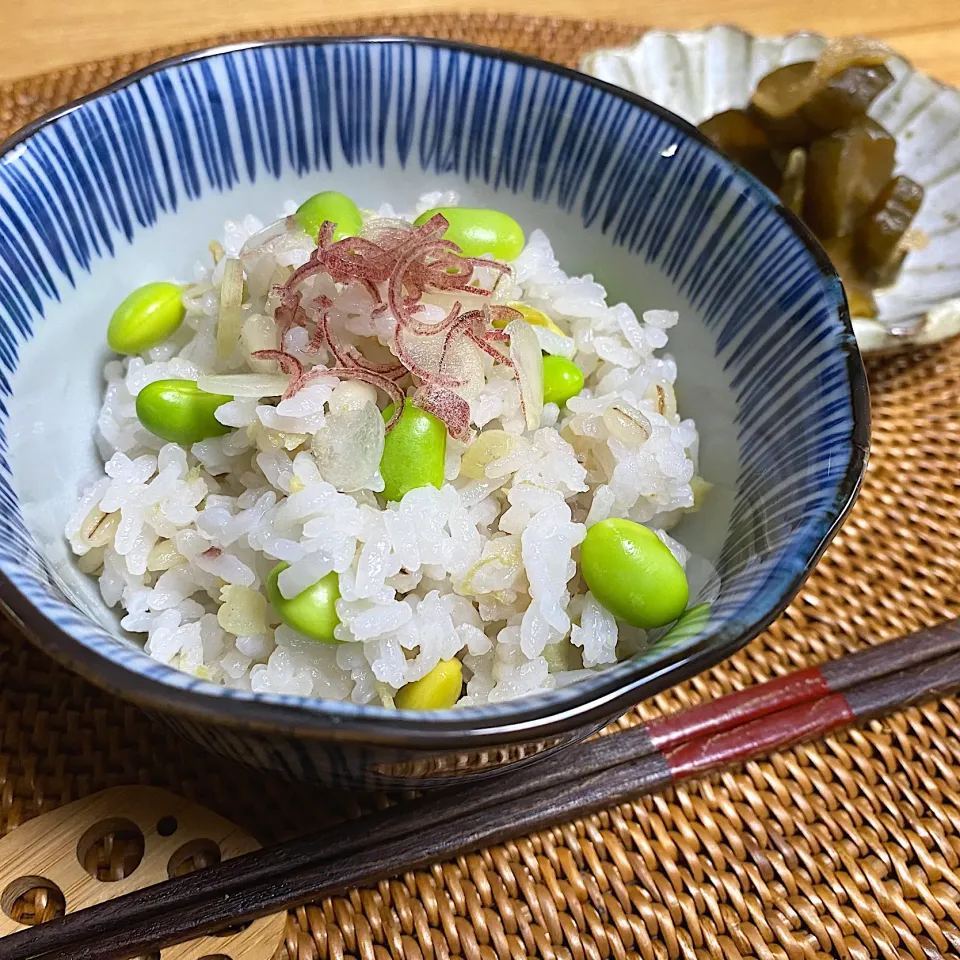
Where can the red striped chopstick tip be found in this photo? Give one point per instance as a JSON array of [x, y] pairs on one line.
[[736, 709], [752, 703], [814, 718]]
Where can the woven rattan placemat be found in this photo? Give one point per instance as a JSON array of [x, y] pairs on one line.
[[846, 848]]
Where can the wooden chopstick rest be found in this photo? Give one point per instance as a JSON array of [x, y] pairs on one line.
[[117, 842]]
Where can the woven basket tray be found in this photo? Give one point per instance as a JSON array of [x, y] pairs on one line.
[[845, 848]]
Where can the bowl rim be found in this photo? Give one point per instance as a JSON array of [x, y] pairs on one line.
[[581, 706]]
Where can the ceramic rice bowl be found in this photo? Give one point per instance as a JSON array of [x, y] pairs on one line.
[[130, 185]]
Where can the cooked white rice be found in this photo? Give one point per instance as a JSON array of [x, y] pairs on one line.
[[484, 570]]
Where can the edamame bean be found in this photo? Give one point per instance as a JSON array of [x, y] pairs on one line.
[[477, 231], [179, 411], [632, 573], [413, 452], [438, 690], [146, 317], [562, 380], [330, 205], [691, 624], [312, 612]]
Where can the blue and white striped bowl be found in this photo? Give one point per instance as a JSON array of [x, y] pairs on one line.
[[126, 186]]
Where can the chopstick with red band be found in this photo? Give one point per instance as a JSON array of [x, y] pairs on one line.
[[800, 686]]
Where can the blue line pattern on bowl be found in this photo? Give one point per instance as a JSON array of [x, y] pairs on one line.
[[81, 184]]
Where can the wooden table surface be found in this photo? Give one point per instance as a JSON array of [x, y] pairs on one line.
[[38, 35]]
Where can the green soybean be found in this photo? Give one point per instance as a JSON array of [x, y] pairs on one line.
[[691, 624], [630, 571], [438, 690], [312, 612], [146, 317], [179, 411], [477, 231], [562, 379], [413, 452], [330, 205]]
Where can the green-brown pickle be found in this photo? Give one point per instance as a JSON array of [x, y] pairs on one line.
[[766, 105], [876, 250], [737, 135], [846, 170], [792, 114], [807, 135], [846, 97], [859, 293]]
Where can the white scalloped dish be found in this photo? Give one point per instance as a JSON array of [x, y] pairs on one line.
[[699, 73]]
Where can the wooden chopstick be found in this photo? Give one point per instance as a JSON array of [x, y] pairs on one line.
[[594, 775]]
